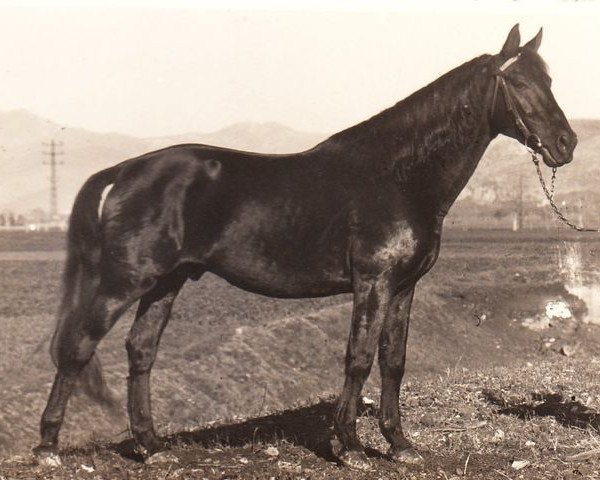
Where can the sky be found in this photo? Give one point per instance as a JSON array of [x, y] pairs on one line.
[[148, 69]]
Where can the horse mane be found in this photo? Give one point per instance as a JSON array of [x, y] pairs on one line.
[[424, 123]]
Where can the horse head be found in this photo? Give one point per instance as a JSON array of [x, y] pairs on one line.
[[523, 106]]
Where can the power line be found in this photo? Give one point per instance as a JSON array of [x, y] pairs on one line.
[[53, 153]]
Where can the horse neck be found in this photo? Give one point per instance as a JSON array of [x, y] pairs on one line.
[[432, 141]]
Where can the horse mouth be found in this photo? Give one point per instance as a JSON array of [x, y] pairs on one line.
[[549, 160], [535, 143]]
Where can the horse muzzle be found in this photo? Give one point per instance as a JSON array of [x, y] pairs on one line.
[[558, 154]]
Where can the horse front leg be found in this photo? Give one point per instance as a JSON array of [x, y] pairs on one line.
[[392, 357], [371, 300]]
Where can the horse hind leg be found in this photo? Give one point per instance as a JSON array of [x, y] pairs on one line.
[[76, 344], [142, 344]]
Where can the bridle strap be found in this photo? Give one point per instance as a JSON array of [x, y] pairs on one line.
[[497, 76], [511, 108], [531, 140], [509, 62], [495, 96]]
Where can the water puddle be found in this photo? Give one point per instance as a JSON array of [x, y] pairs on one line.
[[582, 279], [558, 309]]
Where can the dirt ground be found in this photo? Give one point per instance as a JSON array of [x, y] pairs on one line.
[[244, 386]]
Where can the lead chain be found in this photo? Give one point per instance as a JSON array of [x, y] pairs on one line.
[[550, 195]]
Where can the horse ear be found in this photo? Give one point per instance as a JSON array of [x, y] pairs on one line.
[[511, 46], [535, 42]]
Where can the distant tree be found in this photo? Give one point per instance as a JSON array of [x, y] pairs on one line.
[[500, 213], [37, 215]]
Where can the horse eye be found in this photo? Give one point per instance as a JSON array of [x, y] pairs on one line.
[[519, 84]]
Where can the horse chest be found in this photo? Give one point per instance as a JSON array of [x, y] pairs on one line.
[[398, 248]]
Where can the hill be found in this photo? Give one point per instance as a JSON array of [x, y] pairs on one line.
[[270, 137]]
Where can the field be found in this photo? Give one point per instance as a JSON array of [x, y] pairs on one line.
[[243, 386]]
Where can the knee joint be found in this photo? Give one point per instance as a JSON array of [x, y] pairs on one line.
[[141, 357], [75, 353], [359, 365]]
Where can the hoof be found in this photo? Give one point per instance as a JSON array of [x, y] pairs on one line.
[[408, 456], [161, 457], [149, 447], [356, 460], [47, 456]]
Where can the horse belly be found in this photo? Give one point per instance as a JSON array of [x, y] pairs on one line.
[[259, 275], [281, 272], [270, 254]]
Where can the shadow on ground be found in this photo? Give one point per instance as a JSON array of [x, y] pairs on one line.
[[309, 427], [568, 412]]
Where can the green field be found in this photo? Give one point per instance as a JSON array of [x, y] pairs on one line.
[[228, 355]]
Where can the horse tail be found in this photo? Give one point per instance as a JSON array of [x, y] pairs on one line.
[[81, 278]]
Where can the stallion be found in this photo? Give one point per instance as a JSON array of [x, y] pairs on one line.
[[361, 212]]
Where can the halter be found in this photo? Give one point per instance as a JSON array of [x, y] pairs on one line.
[[531, 139]]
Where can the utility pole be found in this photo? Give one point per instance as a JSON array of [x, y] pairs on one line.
[[520, 206], [53, 153], [518, 213]]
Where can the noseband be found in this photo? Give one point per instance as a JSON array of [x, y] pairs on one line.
[[531, 139]]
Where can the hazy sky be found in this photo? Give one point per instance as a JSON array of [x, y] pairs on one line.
[[151, 70]]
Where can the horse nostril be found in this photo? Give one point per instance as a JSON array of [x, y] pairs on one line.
[[563, 143]]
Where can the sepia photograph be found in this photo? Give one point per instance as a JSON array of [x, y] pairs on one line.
[[300, 240]]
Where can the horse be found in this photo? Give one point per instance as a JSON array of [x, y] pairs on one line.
[[362, 212]]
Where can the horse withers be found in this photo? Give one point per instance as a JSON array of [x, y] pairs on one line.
[[361, 212]]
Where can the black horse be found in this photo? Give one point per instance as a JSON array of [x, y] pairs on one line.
[[361, 212]]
